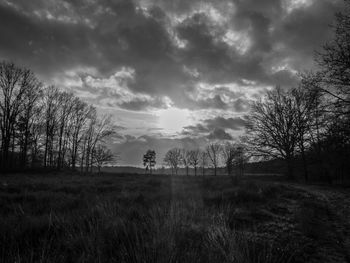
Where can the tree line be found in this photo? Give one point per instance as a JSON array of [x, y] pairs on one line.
[[43, 126], [232, 156], [309, 126]]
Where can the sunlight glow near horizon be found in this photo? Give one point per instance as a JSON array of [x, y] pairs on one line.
[[173, 119]]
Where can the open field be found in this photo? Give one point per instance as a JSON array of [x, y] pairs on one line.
[[138, 218]]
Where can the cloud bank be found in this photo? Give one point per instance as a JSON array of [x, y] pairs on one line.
[[137, 59]]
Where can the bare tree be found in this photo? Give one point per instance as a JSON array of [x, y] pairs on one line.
[[65, 110], [37, 133], [271, 127], [50, 126], [235, 157], [334, 60], [203, 161], [186, 159], [241, 159], [213, 152], [194, 159], [101, 156], [51, 105], [14, 84], [28, 115], [305, 101], [334, 84], [87, 137], [79, 118], [229, 154], [173, 159], [98, 129]]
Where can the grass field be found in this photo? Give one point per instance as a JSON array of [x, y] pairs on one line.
[[138, 218]]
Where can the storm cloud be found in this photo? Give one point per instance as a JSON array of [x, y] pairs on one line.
[[139, 58]]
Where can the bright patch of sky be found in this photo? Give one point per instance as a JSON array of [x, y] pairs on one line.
[[172, 120]]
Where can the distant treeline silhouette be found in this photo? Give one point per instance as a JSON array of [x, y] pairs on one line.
[[43, 126], [215, 156]]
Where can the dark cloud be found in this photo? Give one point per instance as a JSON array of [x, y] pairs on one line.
[[139, 104], [219, 134], [284, 78], [215, 128], [195, 130], [241, 105], [214, 102], [45, 46], [223, 123], [196, 55], [53, 37]]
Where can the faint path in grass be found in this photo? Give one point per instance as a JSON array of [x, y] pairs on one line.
[[338, 201]]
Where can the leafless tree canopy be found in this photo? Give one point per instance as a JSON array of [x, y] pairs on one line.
[[213, 153], [234, 156], [173, 159], [102, 155], [44, 126], [194, 158]]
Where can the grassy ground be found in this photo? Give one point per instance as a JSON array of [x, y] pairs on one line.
[[137, 218]]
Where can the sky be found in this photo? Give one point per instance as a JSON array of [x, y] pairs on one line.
[[172, 73]]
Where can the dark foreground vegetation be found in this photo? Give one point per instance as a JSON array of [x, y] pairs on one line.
[[116, 218]]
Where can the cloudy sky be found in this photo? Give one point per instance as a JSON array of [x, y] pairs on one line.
[[171, 72]]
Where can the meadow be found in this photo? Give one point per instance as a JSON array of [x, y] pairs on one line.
[[138, 218]]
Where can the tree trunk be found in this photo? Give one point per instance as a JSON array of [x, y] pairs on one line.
[[91, 163], [25, 146], [45, 153], [306, 175], [60, 147], [13, 148], [5, 153], [290, 170]]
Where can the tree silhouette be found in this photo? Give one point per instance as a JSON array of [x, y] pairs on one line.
[[173, 159], [271, 127], [203, 161], [149, 160], [194, 158], [186, 159], [229, 154], [45, 126], [334, 59], [15, 84], [213, 153], [102, 155]]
